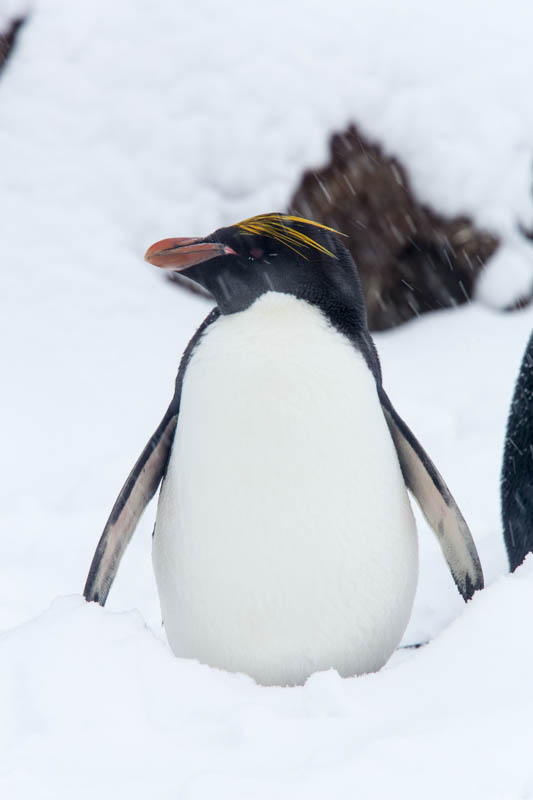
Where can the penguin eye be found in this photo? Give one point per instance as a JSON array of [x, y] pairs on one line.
[[256, 253]]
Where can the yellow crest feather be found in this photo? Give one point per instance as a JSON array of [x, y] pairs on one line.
[[274, 226]]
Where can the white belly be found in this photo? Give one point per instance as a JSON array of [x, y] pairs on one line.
[[285, 542]]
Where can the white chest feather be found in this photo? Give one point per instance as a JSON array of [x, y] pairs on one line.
[[284, 541]]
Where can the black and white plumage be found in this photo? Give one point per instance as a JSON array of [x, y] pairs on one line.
[[517, 468], [284, 540]]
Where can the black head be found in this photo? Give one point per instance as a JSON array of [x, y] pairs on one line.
[[280, 253], [270, 252]]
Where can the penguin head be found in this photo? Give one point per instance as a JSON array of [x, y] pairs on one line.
[[270, 252]]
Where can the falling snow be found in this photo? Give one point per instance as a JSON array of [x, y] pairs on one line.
[[126, 122]]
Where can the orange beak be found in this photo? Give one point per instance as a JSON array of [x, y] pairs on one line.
[[180, 254]]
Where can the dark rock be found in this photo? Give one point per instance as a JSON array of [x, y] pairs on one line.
[[410, 258]]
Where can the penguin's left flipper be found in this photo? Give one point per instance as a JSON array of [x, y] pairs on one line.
[[437, 504], [140, 487], [134, 496]]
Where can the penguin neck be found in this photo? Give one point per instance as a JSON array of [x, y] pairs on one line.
[[346, 314], [333, 288], [331, 285], [337, 296]]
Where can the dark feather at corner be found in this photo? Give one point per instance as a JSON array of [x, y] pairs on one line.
[[517, 467], [8, 39]]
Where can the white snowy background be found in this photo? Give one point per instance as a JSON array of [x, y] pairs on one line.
[[125, 122]]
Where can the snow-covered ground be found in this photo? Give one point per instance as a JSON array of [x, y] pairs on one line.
[[123, 123]]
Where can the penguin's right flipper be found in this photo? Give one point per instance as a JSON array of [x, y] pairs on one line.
[[134, 496], [139, 488], [437, 504]]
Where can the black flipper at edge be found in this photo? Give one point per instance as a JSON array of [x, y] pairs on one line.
[[517, 468], [138, 490], [436, 503]]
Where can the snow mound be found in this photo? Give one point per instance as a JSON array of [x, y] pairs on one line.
[[99, 707]]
